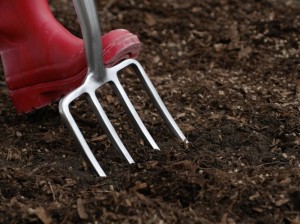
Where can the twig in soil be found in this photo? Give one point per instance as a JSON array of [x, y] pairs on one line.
[[109, 4], [51, 189], [272, 163], [298, 88], [39, 167]]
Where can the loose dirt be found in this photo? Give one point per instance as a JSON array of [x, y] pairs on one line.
[[228, 71]]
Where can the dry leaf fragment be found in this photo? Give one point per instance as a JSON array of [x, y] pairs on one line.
[[298, 88], [144, 199], [41, 213], [110, 99], [254, 197], [285, 182], [14, 201], [234, 37], [149, 20], [187, 127], [151, 164], [296, 220], [81, 210], [98, 138], [244, 52], [214, 116], [218, 47], [185, 165], [180, 115], [297, 141], [140, 186], [281, 201], [260, 210]]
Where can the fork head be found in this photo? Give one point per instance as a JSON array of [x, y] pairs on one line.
[[98, 75]]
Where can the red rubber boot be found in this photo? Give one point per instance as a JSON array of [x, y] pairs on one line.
[[42, 60]]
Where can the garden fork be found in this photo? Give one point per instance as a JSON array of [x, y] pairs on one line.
[[97, 76]]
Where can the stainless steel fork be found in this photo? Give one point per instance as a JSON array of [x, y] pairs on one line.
[[97, 76]]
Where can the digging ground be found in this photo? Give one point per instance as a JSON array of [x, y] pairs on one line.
[[228, 72]]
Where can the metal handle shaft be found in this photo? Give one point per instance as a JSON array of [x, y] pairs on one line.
[[88, 19]]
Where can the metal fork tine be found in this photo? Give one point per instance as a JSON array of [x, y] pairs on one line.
[[158, 103], [108, 128], [68, 118], [139, 125], [155, 98]]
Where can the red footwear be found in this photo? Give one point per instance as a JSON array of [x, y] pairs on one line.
[[42, 60], [119, 45]]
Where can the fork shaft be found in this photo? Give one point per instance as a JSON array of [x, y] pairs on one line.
[[89, 24]]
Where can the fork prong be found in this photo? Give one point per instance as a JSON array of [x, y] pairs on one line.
[[138, 123], [158, 103], [73, 127], [107, 126]]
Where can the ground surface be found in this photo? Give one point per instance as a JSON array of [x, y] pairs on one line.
[[227, 70]]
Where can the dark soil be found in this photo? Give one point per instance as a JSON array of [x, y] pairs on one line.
[[228, 71]]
